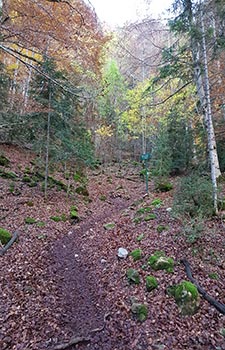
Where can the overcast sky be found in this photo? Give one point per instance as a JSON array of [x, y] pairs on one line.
[[117, 12]]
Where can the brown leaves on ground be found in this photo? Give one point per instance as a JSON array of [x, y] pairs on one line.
[[61, 280]]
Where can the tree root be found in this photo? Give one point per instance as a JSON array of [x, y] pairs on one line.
[[219, 306], [80, 339], [8, 245]]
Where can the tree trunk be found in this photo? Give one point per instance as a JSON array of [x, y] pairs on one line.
[[47, 142], [214, 162]]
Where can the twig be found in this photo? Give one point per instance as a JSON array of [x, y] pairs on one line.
[[219, 306], [8, 245], [73, 341]]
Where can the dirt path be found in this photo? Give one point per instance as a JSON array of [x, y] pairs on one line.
[[84, 307]]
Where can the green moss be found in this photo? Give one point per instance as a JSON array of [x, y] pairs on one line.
[[143, 210], [133, 276], [4, 161], [161, 228], [5, 236], [151, 283], [140, 311], [137, 220], [102, 197], [156, 202], [187, 297], [30, 204], [140, 237], [151, 216], [8, 175], [26, 178], [136, 254], [82, 190], [109, 226], [40, 223], [164, 186], [213, 276], [74, 213], [56, 218], [158, 261], [30, 220]]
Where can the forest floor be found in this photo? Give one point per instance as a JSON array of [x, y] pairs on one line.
[[63, 281]]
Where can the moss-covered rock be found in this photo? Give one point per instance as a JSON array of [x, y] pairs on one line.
[[4, 161], [136, 254], [133, 276], [5, 236], [187, 298], [151, 283], [140, 311], [158, 261]]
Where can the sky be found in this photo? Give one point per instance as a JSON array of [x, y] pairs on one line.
[[117, 12]]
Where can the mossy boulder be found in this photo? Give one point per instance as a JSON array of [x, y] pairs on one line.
[[4, 161], [159, 261], [187, 298], [151, 283], [136, 254], [140, 311], [133, 276], [5, 236]]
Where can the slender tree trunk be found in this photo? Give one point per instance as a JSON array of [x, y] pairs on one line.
[[48, 141], [214, 162]]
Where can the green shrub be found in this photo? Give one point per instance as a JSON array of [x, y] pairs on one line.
[[194, 197], [163, 186], [4, 161], [156, 202], [5, 236]]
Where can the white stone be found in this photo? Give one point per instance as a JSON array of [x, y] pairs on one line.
[[122, 253]]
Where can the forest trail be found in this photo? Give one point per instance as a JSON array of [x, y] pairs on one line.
[[63, 280]]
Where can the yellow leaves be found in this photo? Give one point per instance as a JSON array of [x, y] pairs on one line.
[[105, 131]]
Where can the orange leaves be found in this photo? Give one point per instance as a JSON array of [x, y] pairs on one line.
[[64, 30]]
